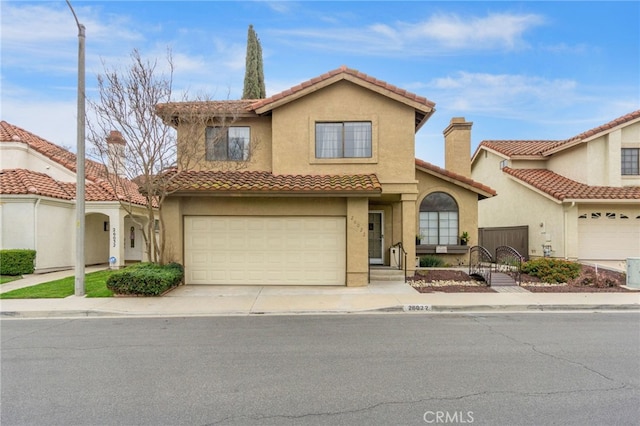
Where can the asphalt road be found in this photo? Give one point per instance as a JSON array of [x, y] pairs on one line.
[[388, 369]]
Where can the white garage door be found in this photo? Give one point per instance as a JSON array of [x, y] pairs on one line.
[[265, 250], [608, 235]]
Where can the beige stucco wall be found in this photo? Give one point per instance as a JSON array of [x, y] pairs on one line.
[[260, 151], [393, 135], [517, 205], [598, 161]]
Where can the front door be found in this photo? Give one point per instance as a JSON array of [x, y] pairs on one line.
[[376, 238]]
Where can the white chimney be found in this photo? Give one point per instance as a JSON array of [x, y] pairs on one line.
[[116, 153]]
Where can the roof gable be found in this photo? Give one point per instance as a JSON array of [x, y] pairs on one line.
[[424, 108], [455, 178], [546, 148]]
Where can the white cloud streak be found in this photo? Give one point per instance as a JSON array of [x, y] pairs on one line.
[[437, 35]]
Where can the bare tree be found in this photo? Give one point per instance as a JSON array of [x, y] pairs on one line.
[[136, 106]]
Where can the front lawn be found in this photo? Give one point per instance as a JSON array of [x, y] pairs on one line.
[[9, 278], [95, 285]]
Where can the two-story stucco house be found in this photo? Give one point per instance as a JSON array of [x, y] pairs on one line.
[[38, 209], [332, 186], [579, 197]]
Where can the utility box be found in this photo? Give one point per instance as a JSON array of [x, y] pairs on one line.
[[394, 257], [633, 272]]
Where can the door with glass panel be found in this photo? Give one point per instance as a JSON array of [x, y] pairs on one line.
[[376, 238]]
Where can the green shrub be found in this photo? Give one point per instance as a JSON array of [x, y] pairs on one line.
[[17, 261], [552, 270], [146, 279], [431, 262]]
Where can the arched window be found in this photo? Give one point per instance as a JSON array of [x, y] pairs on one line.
[[439, 219]]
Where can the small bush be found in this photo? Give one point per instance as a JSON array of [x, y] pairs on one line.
[[552, 270], [146, 279], [431, 262], [17, 261]]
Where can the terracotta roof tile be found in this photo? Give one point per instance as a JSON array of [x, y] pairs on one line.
[[171, 109], [98, 189], [343, 70], [562, 188], [247, 181], [515, 147], [455, 176], [544, 147], [26, 182]]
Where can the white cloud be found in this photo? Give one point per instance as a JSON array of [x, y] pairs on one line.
[[506, 94], [494, 31], [439, 34]]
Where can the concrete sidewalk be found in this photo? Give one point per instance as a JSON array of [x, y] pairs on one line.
[[192, 300]]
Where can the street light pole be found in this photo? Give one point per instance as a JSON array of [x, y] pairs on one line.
[[80, 159]]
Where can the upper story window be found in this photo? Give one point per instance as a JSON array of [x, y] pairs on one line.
[[227, 143], [439, 219], [350, 139], [631, 161]]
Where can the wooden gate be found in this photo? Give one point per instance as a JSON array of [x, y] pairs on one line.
[[512, 236]]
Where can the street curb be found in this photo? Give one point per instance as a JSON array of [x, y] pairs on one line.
[[392, 310]]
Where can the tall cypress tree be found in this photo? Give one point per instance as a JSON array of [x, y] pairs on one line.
[[253, 74]]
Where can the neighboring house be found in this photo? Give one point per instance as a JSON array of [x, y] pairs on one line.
[[576, 199], [37, 205], [330, 185]]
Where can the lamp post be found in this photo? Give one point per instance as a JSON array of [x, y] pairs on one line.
[[80, 174]]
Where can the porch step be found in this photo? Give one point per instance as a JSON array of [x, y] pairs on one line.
[[386, 274]]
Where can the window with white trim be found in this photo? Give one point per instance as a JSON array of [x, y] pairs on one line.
[[439, 219], [227, 143], [630, 161], [350, 139]]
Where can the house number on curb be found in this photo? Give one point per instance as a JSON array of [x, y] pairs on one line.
[[114, 237], [417, 308]]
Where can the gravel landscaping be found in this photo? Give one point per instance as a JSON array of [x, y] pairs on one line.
[[457, 281]]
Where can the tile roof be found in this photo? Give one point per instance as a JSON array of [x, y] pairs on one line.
[[544, 148], [98, 189], [67, 159], [455, 176], [26, 182], [562, 188], [249, 182], [347, 71]]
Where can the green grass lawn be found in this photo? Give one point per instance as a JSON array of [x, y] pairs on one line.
[[8, 278], [95, 285]]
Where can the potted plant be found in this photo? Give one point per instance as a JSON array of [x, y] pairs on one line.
[[464, 238], [418, 239]]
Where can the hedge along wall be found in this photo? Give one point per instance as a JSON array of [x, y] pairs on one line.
[[17, 261]]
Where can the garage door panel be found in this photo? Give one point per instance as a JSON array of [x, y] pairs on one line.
[[608, 235], [265, 250]]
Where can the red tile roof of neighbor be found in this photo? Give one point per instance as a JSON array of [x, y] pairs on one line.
[[455, 176], [19, 181], [562, 188], [544, 148], [249, 181]]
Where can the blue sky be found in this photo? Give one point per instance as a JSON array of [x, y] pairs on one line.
[[518, 70]]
